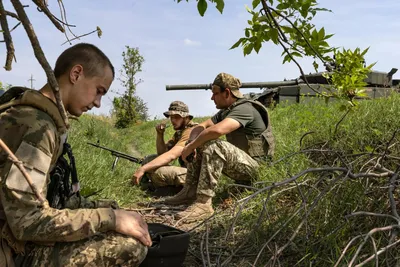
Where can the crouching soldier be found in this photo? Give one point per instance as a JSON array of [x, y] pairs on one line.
[[161, 173], [249, 140]]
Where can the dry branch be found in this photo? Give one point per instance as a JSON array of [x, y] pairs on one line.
[[7, 37], [40, 57], [42, 7], [20, 166], [11, 14]]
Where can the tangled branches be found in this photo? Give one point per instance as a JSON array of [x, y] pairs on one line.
[[338, 214], [22, 18]]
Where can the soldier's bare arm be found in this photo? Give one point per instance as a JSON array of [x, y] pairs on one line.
[[161, 160], [211, 133], [160, 143], [199, 128]]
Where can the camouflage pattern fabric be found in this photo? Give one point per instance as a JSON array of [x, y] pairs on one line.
[[79, 202], [35, 137], [218, 157], [225, 80], [111, 249], [178, 108], [168, 175]]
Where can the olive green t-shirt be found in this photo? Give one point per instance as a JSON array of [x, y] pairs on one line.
[[252, 124]]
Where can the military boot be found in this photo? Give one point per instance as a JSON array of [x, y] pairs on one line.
[[200, 209], [186, 196]]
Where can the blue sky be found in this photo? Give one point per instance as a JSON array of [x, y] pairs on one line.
[[180, 47]]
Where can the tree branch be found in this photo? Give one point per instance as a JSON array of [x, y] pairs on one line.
[[375, 255], [11, 14], [20, 166], [297, 29], [42, 7], [7, 37], [77, 37], [40, 57]]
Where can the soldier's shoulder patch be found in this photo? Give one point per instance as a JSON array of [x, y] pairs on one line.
[[37, 164]]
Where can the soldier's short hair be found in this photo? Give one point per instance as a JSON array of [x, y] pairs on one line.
[[92, 59]]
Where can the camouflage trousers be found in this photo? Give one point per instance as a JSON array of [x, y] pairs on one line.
[[219, 157], [106, 249], [168, 175]]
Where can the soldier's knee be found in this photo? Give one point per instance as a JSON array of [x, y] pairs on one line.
[[210, 146], [129, 252]]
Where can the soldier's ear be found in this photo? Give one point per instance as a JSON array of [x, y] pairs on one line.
[[228, 92], [75, 73]]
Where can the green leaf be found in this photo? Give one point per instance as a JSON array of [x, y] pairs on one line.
[[321, 34], [315, 64], [202, 7], [220, 5], [247, 32], [240, 41], [256, 3], [273, 33], [287, 58], [296, 54], [247, 49], [257, 45], [287, 29]]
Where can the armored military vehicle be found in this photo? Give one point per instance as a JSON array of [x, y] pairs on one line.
[[379, 84]]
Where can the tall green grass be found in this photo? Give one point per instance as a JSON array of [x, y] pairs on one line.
[[327, 229]]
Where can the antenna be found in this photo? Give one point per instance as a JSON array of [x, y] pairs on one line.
[[31, 80]]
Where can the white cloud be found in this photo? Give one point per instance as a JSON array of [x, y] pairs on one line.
[[189, 42]]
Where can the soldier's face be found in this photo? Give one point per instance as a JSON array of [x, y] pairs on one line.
[[219, 98], [177, 121], [87, 92]]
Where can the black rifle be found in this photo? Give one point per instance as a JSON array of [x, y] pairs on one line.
[[118, 155]]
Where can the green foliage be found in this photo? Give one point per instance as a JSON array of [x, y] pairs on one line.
[[130, 108], [4, 86], [94, 165], [349, 74], [289, 24], [202, 5]]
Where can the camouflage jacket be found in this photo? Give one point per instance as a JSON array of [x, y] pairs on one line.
[[33, 129]]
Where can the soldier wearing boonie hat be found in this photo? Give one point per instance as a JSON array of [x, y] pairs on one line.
[[161, 174], [178, 108], [249, 139]]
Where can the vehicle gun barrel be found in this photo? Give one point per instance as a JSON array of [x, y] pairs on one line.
[[206, 86]]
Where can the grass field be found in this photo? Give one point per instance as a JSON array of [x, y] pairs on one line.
[[306, 222]]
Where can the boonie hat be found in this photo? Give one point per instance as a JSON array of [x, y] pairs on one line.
[[179, 108]]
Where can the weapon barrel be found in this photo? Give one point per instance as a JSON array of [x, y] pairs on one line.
[[118, 154], [244, 85]]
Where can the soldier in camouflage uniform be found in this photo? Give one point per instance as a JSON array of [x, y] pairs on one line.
[[249, 140], [33, 233], [161, 173]]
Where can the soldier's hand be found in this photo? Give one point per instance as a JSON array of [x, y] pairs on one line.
[[188, 153], [160, 128], [131, 223], [138, 175]]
